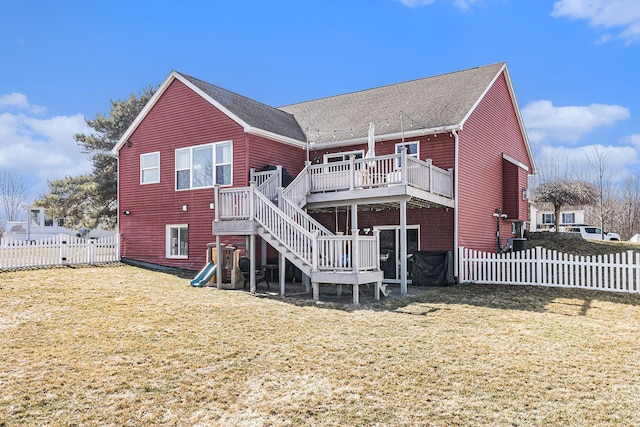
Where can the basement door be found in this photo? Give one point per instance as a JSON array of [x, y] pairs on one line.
[[390, 250]]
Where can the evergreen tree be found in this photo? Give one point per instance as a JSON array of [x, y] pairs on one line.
[[96, 194]]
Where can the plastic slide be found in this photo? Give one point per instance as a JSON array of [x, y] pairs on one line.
[[205, 275]]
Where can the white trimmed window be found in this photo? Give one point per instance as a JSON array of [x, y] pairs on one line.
[[178, 241], [203, 166], [548, 218], [412, 150], [339, 157], [569, 218], [150, 168]]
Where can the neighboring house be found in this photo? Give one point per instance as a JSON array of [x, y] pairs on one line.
[[359, 205], [38, 225], [543, 217]]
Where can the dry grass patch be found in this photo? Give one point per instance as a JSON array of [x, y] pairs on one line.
[[128, 346]]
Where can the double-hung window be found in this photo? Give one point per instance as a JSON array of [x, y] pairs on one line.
[[548, 218], [412, 151], [569, 218], [150, 168], [177, 241], [203, 166]]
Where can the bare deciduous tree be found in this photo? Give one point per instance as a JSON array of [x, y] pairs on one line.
[[599, 163], [14, 194]]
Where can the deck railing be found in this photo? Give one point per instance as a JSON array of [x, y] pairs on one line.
[[380, 171], [299, 233]]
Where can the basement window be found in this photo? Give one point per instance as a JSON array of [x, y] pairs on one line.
[[178, 241]]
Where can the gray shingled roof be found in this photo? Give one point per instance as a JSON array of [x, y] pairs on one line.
[[427, 103], [252, 112]]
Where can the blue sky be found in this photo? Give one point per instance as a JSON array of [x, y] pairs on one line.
[[574, 64]]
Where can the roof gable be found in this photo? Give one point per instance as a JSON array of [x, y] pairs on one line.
[[253, 116]]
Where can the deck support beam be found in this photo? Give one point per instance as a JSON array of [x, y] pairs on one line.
[[403, 247]]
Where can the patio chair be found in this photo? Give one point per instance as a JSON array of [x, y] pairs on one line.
[[244, 264]]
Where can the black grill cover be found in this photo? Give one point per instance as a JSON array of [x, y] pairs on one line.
[[432, 268]]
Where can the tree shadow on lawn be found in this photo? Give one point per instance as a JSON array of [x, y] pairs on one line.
[[423, 300]]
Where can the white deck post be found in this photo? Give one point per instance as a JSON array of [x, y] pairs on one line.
[[355, 250], [403, 246], [404, 169], [218, 261], [216, 201], [352, 171], [281, 272], [252, 257], [252, 202]]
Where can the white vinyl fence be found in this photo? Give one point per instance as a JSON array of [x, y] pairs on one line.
[[58, 250], [542, 267]]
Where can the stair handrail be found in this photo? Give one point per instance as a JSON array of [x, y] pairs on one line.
[[268, 182], [285, 230], [293, 211], [298, 189]]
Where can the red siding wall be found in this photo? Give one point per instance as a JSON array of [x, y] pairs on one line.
[[491, 130], [181, 118]]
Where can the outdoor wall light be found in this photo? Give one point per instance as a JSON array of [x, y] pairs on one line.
[[185, 208], [129, 143], [126, 213]]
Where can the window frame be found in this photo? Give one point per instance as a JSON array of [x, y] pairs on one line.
[[548, 215], [168, 245], [214, 162], [399, 145], [344, 154], [566, 215], [143, 169]]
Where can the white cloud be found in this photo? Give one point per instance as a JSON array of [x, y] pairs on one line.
[[545, 122], [604, 14], [19, 101], [40, 149]]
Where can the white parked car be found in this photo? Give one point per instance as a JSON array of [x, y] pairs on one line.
[[593, 233]]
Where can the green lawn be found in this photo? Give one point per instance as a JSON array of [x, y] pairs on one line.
[[121, 345]]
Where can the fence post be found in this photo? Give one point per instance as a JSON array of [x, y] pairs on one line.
[[461, 276], [538, 264], [64, 250], [91, 251], [430, 163]]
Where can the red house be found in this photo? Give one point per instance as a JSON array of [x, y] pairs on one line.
[[425, 165]]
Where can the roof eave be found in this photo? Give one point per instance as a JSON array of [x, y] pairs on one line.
[[386, 137], [173, 75]]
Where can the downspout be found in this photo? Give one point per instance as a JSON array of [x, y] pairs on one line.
[[456, 215]]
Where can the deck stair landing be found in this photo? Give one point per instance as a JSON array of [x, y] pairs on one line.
[[321, 255]]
